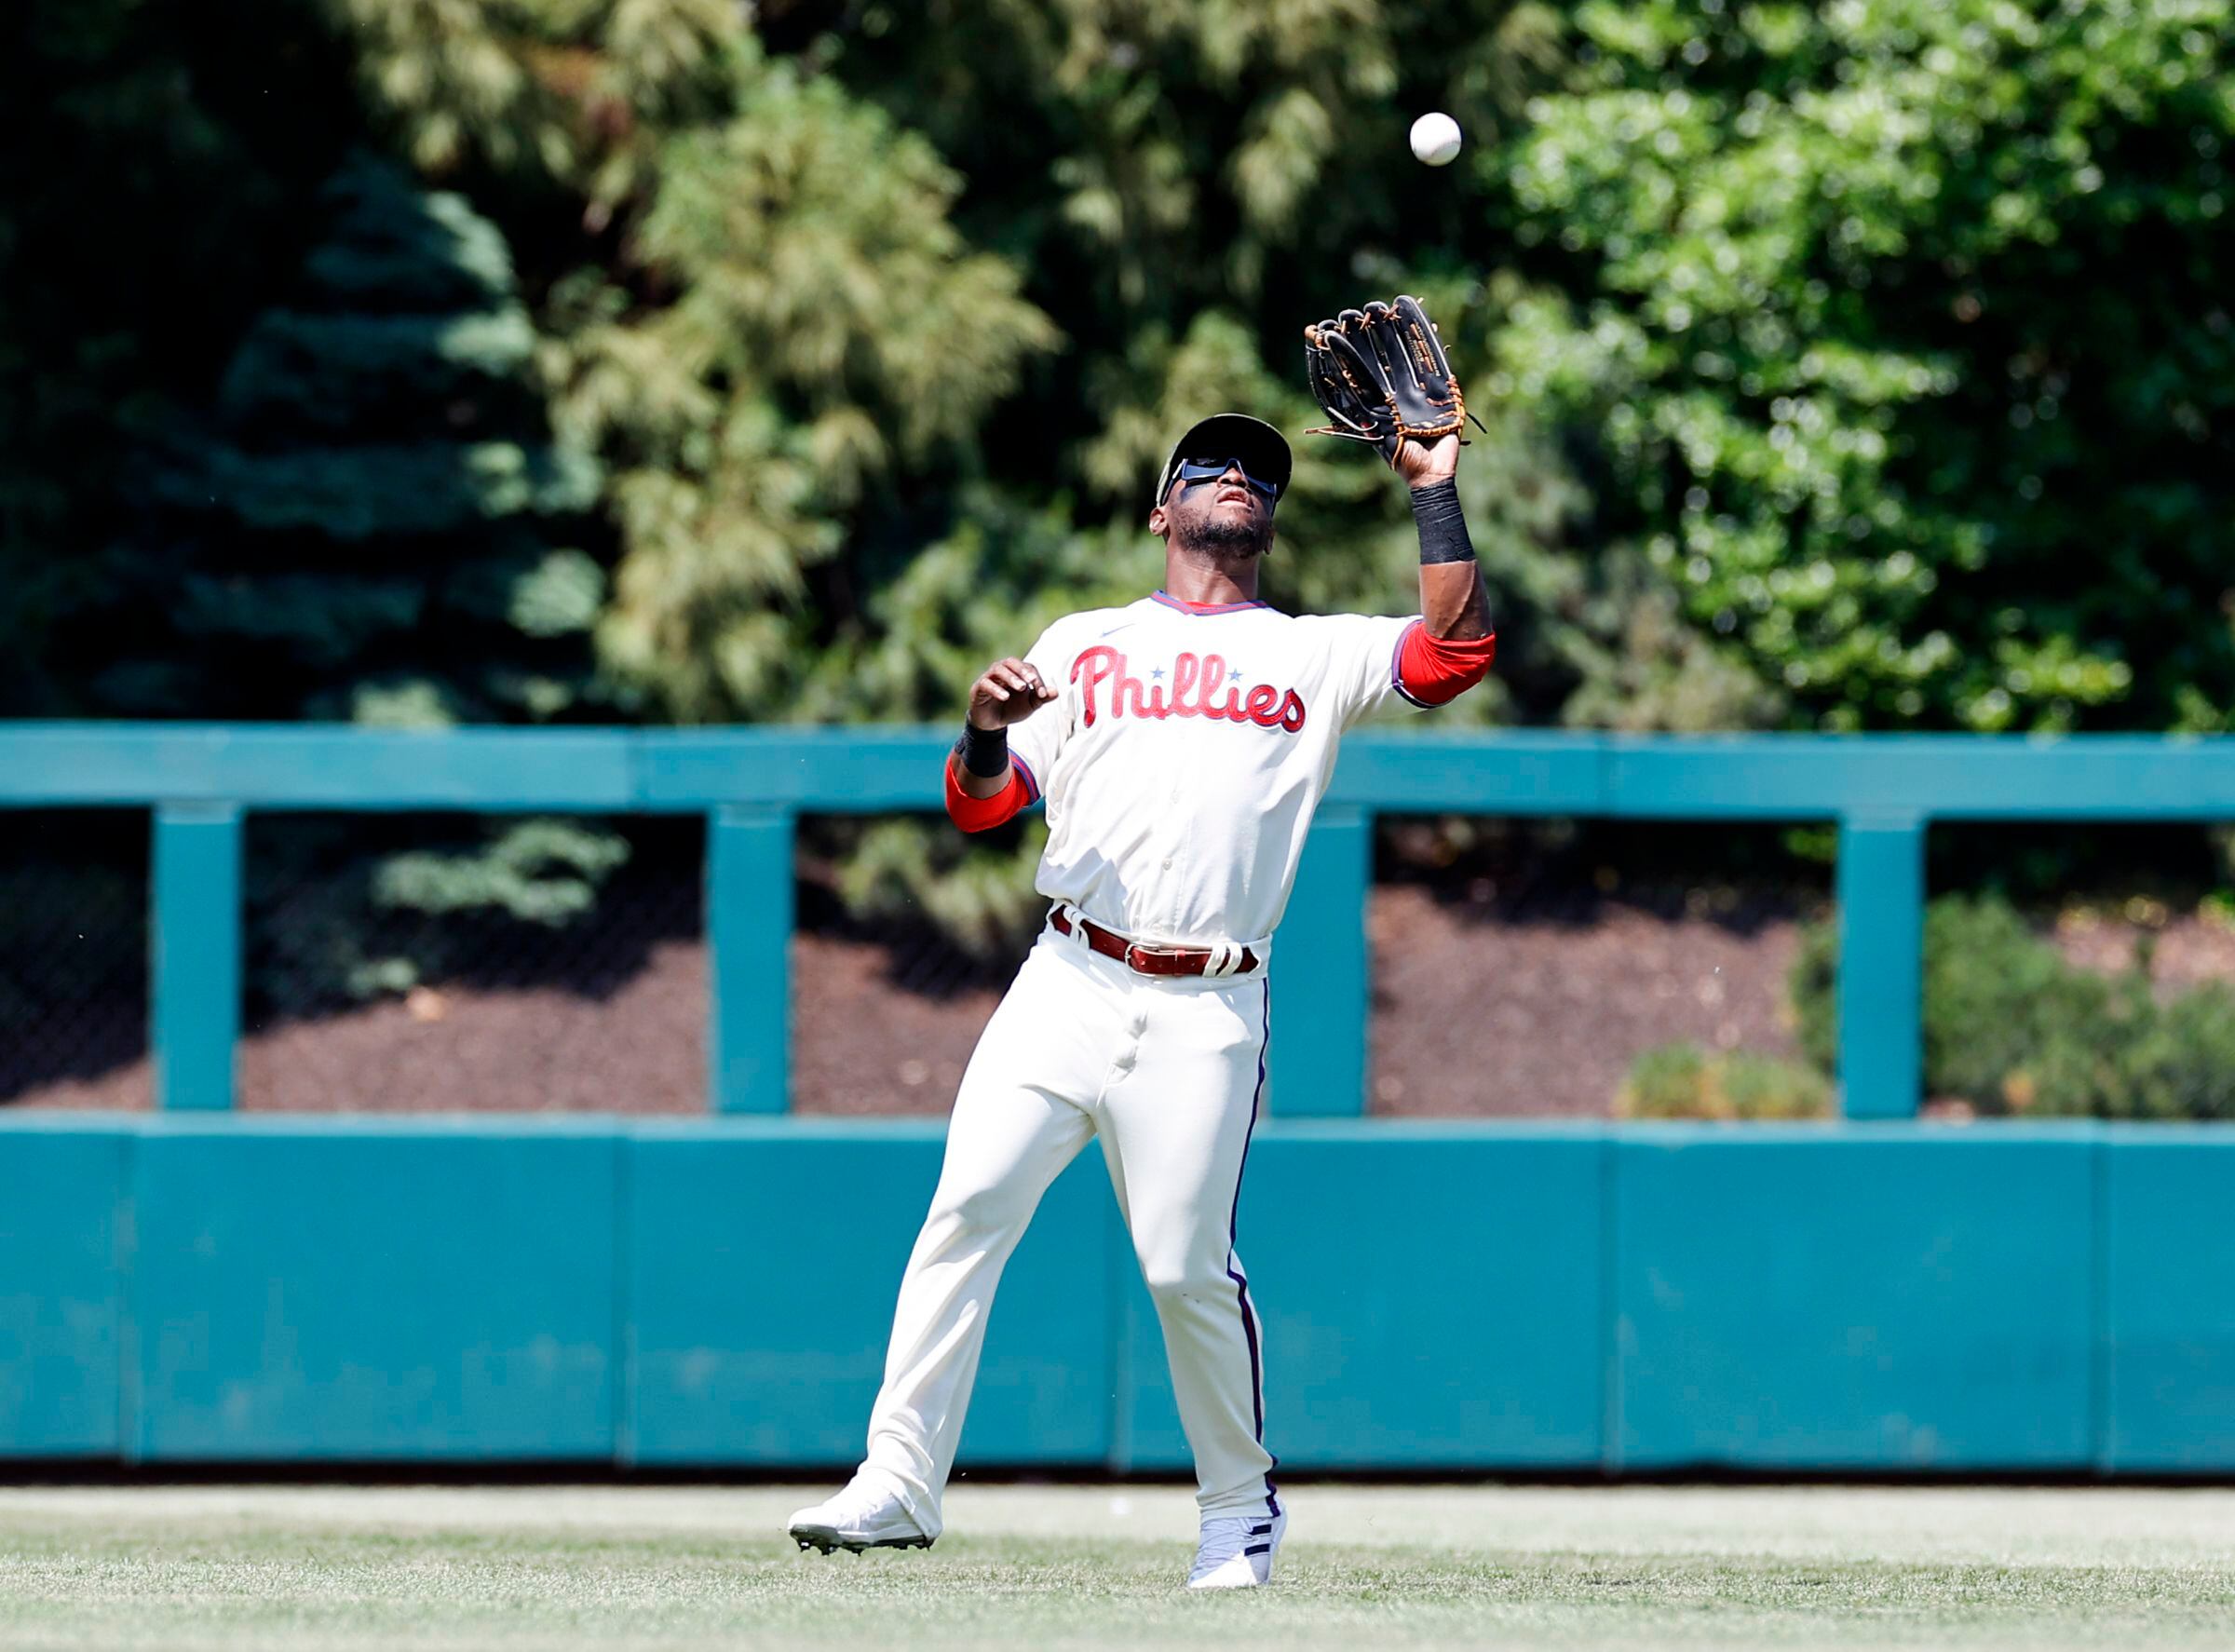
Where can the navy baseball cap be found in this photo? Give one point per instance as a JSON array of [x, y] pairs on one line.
[[1261, 449]]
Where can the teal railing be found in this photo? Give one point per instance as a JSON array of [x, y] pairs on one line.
[[200, 782]]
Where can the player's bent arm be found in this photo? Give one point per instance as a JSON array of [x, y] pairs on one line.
[[974, 813], [984, 785]]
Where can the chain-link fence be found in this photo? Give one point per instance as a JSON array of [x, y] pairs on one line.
[[73, 958], [906, 939], [1583, 968], [1521, 969], [442, 963], [2078, 969]]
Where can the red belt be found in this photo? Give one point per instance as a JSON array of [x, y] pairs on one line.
[[1147, 960]]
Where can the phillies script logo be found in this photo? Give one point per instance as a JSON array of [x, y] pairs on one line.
[[1194, 684]]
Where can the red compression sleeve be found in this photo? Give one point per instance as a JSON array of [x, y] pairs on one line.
[[982, 814], [1435, 671]]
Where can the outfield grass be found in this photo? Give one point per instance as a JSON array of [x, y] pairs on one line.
[[246, 1569]]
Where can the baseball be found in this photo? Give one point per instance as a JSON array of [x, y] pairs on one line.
[[1436, 139]]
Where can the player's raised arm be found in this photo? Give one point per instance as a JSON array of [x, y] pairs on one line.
[[983, 787], [1381, 376], [1455, 605]]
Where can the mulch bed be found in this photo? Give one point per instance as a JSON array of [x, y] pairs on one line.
[[1483, 1007], [1486, 1009]]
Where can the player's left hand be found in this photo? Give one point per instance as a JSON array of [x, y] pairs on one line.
[[1421, 463], [1381, 377]]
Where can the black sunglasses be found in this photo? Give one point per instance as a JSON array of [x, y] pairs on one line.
[[1201, 471]]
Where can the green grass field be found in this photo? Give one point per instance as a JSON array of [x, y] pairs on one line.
[[248, 1568]]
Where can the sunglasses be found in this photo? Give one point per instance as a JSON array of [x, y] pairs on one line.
[[1193, 471]]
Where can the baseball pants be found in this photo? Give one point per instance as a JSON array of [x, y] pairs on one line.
[[1168, 1073]]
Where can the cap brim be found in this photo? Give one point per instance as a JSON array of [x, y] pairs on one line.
[[1262, 450]]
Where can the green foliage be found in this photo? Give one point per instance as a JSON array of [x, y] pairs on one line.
[[372, 502], [2011, 1027], [1822, 387], [151, 172], [980, 897], [1863, 365], [539, 92], [2182, 1065], [828, 332], [333, 920], [1184, 187], [1899, 332], [541, 872], [368, 527], [1683, 1081]]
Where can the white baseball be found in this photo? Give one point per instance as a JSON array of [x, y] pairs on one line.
[[1436, 139]]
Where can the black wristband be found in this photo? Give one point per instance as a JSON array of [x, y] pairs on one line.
[[1442, 524], [984, 751]]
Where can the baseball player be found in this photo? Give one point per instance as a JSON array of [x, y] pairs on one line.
[[1180, 744]]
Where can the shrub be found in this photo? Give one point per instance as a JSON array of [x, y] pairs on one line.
[[2011, 1028], [2009, 1025], [1682, 1081], [2183, 1065], [1663, 1083]]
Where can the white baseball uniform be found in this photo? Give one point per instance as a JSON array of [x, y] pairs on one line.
[[1181, 761]]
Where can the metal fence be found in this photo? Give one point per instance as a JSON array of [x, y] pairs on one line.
[[461, 963], [1524, 968], [73, 984], [750, 786]]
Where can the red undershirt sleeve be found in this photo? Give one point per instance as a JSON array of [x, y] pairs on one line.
[[1434, 671], [982, 814]]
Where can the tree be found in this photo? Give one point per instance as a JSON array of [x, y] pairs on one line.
[[155, 159], [1186, 185], [829, 339], [374, 526], [1896, 335], [377, 526], [765, 322]]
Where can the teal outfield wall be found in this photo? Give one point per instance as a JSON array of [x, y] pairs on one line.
[[196, 1286], [1886, 1297]]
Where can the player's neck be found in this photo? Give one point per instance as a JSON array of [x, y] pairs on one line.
[[1195, 578]]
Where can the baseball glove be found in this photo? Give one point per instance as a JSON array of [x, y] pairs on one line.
[[1381, 374]]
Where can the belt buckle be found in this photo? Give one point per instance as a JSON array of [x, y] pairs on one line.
[[1132, 963]]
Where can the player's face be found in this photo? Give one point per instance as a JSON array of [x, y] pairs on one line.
[[1224, 512]]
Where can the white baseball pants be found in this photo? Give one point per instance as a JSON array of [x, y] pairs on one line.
[[1168, 1072]]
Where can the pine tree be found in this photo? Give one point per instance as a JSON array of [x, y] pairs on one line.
[[376, 526], [154, 162]]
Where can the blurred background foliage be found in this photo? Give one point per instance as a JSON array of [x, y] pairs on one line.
[[2011, 1028], [1863, 365]]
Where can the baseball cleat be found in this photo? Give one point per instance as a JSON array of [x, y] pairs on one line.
[[857, 1519], [1237, 1550]]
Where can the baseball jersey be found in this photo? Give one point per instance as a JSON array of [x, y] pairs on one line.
[[1184, 753]]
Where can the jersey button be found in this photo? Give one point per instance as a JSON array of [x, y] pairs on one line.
[[1167, 866]]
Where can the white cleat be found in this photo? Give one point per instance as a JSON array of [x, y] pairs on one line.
[[1237, 1550], [857, 1518]]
